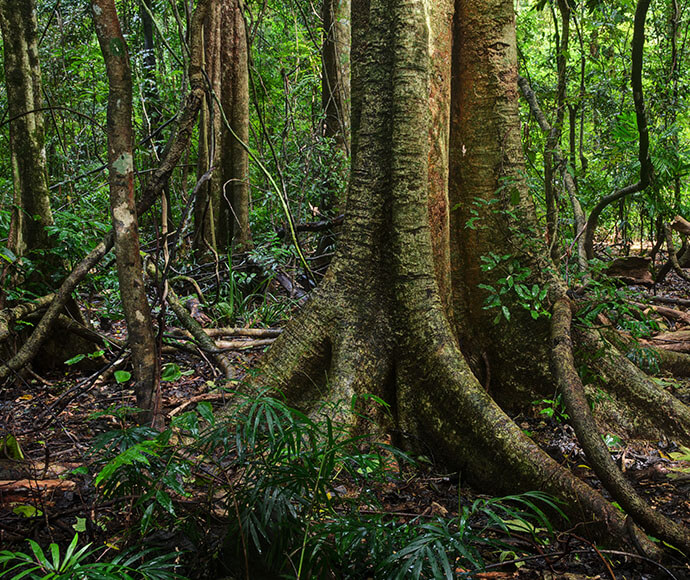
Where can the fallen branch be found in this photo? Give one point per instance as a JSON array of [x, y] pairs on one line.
[[673, 257], [243, 344], [23, 485], [204, 341], [196, 399], [681, 225], [669, 300], [229, 331], [10, 316], [670, 313]]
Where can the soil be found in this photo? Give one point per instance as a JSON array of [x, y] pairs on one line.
[[55, 418]]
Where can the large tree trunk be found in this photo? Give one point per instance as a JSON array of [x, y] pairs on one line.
[[31, 212], [123, 208], [492, 212], [383, 321]]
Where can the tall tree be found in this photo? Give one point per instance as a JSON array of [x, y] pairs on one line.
[[123, 207], [31, 212], [335, 77], [233, 214], [384, 321], [207, 201], [222, 206]]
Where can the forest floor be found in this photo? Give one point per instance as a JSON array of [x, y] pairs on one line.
[[56, 416]]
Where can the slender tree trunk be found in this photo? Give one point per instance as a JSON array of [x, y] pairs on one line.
[[152, 100], [335, 78], [31, 213], [206, 204], [233, 213], [646, 167], [121, 177]]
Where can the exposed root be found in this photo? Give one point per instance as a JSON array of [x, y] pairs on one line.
[[587, 432], [298, 362], [676, 363], [653, 405], [472, 432], [673, 257]]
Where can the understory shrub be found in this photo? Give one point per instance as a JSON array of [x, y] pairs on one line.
[[297, 496]]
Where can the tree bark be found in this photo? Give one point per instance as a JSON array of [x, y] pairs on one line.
[[335, 78], [233, 212], [31, 213], [123, 208], [492, 210], [207, 200], [378, 325]]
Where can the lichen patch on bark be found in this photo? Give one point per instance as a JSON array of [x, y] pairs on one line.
[[124, 164]]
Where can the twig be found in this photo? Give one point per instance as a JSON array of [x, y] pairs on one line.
[[196, 398]]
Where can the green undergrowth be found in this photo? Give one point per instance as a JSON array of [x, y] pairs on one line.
[[269, 492]]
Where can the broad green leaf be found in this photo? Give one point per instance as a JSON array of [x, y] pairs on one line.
[[122, 376], [170, 372], [28, 511]]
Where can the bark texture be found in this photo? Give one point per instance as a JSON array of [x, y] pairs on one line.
[[221, 211], [378, 324], [31, 212], [123, 208], [335, 89], [491, 209], [233, 218], [207, 200]]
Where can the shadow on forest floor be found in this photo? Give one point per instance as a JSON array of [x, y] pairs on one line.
[[56, 417]]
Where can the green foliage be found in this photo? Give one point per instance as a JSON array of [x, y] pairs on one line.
[[437, 547], [293, 488], [512, 288], [10, 448], [142, 462], [645, 358], [81, 563], [605, 296], [553, 408], [247, 298]]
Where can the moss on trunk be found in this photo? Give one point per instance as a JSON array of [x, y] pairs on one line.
[[380, 323], [31, 213]]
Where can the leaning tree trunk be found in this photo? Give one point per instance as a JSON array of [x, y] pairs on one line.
[[31, 212], [382, 324], [124, 214]]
